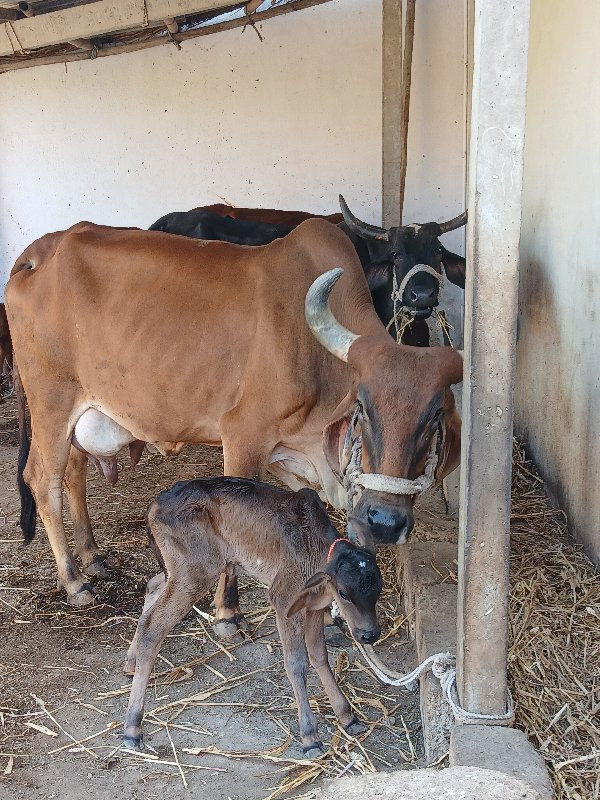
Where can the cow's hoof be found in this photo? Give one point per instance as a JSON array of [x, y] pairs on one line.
[[314, 750], [226, 628], [96, 569], [84, 597], [355, 728], [132, 743]]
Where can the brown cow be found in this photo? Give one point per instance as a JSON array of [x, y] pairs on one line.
[[283, 539], [175, 340], [271, 215]]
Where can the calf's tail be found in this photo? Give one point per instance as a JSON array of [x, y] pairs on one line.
[[28, 507]]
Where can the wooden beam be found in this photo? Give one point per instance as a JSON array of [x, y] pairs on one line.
[[171, 25], [391, 110], [96, 19], [294, 5], [491, 292]]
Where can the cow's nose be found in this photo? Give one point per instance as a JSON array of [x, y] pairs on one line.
[[389, 525], [369, 637], [423, 297]]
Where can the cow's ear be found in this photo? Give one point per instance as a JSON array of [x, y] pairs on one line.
[[454, 267], [335, 433], [450, 455], [313, 597]]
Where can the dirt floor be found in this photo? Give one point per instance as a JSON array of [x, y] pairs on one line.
[[230, 704]]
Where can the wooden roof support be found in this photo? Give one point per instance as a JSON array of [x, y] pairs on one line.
[[97, 19], [182, 36], [171, 25], [491, 292]]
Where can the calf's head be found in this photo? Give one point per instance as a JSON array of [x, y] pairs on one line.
[[353, 580], [403, 408], [405, 248]]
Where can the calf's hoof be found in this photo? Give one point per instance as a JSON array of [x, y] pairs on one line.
[[84, 597], [96, 569], [314, 750], [355, 728], [132, 743], [129, 667]]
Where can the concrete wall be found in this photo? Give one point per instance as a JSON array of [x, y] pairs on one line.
[[558, 378], [288, 123]]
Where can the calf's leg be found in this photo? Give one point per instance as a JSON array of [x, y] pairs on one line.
[[317, 651], [85, 544], [154, 588], [295, 660], [173, 603]]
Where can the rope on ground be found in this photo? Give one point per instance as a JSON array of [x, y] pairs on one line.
[[443, 666]]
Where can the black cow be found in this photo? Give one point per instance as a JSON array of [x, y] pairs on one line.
[[199, 224], [381, 251]]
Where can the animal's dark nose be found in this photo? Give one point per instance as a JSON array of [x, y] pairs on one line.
[[389, 525], [423, 297], [369, 637]]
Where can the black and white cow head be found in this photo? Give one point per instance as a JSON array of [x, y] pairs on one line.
[[401, 250]]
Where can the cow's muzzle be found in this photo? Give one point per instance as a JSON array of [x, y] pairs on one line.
[[380, 521]]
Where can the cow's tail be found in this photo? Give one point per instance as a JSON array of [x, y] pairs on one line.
[[28, 507]]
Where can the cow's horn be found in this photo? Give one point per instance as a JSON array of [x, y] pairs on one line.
[[333, 336], [361, 228], [452, 224]]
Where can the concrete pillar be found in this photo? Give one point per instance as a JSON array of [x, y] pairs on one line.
[[495, 182], [391, 111]]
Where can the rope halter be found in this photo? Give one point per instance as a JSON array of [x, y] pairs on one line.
[[355, 480], [405, 314]]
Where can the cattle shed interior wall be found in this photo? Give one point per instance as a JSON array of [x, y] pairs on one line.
[[558, 364], [286, 123]]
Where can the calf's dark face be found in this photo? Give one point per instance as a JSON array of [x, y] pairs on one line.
[[353, 580]]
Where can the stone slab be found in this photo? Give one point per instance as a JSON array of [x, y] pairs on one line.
[[455, 783], [507, 750]]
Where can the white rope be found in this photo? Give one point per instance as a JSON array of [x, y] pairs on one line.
[[443, 666]]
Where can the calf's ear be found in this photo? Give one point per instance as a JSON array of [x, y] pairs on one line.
[[314, 595]]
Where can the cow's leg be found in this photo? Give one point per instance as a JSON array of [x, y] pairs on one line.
[[243, 460], [228, 616], [317, 652], [44, 474], [172, 605], [295, 660], [85, 545]]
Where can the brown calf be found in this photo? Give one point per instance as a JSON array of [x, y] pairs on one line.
[[283, 539]]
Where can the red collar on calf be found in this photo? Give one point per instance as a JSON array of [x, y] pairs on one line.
[[340, 539]]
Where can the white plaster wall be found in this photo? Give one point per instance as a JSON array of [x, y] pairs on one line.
[[558, 364], [287, 123]]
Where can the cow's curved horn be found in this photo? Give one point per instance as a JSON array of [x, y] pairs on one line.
[[452, 224], [361, 228], [333, 336]]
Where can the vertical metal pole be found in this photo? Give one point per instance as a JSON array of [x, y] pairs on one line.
[[391, 112], [495, 184]]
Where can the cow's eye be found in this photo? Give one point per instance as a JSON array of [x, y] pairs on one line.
[[343, 595]]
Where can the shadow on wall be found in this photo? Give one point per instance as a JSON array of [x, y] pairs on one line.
[[555, 408]]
